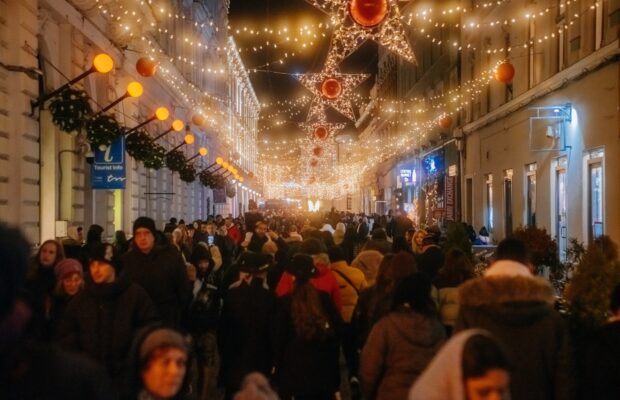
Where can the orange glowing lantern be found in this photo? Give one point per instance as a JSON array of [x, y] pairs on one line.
[[317, 151], [445, 121], [198, 119], [146, 67], [368, 13], [320, 133], [331, 88], [505, 72]]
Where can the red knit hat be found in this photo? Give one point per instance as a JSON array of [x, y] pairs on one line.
[[67, 267]]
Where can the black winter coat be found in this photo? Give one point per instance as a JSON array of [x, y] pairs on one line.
[[519, 312], [102, 320], [244, 335], [162, 273], [307, 368], [602, 364]]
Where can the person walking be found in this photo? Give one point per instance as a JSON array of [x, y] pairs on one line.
[[160, 270]]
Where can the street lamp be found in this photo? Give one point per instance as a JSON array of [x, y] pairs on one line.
[[134, 89], [161, 114], [201, 153], [177, 126], [102, 63], [189, 139]]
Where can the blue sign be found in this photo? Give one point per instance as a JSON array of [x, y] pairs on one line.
[[108, 168]]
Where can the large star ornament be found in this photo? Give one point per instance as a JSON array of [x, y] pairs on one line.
[[356, 21], [333, 89]]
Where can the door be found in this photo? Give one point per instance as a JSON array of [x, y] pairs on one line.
[[507, 205], [561, 223], [596, 199]]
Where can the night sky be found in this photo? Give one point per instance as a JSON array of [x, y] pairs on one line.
[[273, 86]]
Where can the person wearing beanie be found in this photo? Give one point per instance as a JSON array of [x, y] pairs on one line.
[[402, 343], [368, 262], [307, 337], [31, 369], [160, 270], [101, 320], [69, 282], [158, 365], [244, 333], [518, 309], [324, 279]]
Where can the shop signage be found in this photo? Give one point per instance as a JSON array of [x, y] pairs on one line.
[[108, 168], [450, 197]]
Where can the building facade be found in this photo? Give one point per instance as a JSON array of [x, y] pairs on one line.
[[45, 179]]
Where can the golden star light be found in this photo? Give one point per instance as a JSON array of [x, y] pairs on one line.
[[356, 21], [334, 89]]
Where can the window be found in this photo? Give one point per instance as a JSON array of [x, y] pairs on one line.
[[560, 206], [507, 202], [530, 190], [596, 194], [489, 202]]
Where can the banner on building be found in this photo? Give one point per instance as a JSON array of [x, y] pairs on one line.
[[108, 168], [219, 196], [450, 197]]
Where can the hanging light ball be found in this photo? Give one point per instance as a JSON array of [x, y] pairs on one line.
[[320, 132], [505, 72], [198, 119], [235, 156], [445, 121], [368, 13], [146, 67], [317, 151], [250, 174], [314, 163], [311, 180], [331, 88]]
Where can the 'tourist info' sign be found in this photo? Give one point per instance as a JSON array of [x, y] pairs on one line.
[[108, 168]]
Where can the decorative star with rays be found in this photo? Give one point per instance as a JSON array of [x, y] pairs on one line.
[[356, 21], [334, 89]]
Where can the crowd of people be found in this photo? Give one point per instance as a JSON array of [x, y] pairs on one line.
[[282, 305]]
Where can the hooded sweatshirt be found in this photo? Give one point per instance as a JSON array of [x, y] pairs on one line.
[[323, 280], [443, 379], [398, 349]]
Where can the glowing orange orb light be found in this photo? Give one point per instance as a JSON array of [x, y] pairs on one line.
[[368, 13], [445, 121], [505, 72], [317, 151], [146, 67], [331, 88], [320, 132]]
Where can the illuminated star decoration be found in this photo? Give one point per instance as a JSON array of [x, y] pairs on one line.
[[356, 21], [334, 89]]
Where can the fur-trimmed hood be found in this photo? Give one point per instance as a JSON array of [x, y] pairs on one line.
[[508, 299]]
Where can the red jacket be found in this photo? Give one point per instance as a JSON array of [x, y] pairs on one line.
[[324, 280], [234, 234]]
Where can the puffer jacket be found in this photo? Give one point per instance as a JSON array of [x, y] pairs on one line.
[[518, 311], [324, 280], [398, 349], [448, 305], [349, 287]]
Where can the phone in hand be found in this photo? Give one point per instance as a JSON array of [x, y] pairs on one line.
[[210, 240]]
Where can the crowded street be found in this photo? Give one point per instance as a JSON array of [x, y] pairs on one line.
[[309, 200]]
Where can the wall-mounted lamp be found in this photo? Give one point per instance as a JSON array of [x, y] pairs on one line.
[[201, 153], [189, 139], [102, 63], [177, 126], [134, 89], [161, 114]]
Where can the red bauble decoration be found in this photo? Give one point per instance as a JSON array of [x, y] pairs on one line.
[[314, 163], [331, 88], [368, 13], [146, 67], [250, 174], [317, 151], [321, 133], [445, 121], [505, 72], [311, 180], [198, 119]]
